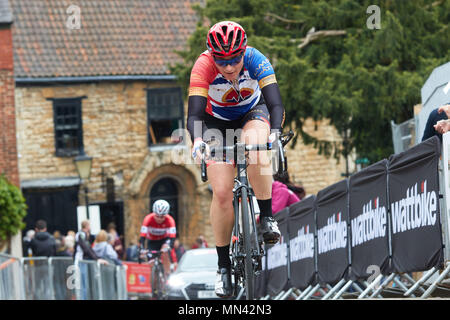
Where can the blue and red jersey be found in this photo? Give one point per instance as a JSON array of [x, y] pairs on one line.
[[225, 101]]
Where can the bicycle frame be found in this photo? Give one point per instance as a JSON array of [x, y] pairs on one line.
[[239, 251], [246, 253], [157, 268]]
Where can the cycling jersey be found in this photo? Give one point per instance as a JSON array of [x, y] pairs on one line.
[[154, 231], [224, 100], [158, 234], [211, 93]]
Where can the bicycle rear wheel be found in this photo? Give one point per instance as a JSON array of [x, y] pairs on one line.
[[248, 261]]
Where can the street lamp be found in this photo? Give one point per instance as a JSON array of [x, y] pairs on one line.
[[83, 163]]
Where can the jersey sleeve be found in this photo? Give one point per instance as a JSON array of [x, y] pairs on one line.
[[173, 255], [172, 230], [202, 74], [144, 227], [259, 67]]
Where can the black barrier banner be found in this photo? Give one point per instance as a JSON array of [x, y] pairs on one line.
[[277, 257], [413, 186], [261, 278], [369, 227], [332, 233], [302, 228]]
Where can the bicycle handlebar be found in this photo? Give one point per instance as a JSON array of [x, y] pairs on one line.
[[284, 139], [152, 253]]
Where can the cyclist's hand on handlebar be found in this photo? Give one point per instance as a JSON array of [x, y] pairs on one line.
[[142, 253], [274, 136], [196, 150]]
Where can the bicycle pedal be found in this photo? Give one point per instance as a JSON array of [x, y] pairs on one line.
[[271, 241]]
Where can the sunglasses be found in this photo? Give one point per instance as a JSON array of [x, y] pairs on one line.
[[232, 62]]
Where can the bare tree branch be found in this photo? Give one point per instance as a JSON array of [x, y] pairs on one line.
[[283, 19], [320, 34], [436, 3]]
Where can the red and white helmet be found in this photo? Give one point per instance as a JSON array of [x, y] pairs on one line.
[[161, 207], [226, 38]]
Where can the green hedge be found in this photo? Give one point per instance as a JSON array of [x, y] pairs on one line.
[[13, 209]]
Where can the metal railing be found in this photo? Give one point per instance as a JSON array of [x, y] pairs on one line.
[[403, 135], [58, 278], [11, 283]]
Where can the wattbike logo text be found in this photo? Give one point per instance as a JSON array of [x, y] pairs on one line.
[[302, 246], [276, 256], [415, 211], [369, 225], [333, 235]]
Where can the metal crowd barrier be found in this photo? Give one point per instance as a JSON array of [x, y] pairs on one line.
[[57, 278], [11, 284], [100, 282]]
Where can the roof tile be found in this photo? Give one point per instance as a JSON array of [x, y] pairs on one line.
[[121, 37]]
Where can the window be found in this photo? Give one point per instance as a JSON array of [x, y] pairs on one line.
[[68, 126], [165, 114]]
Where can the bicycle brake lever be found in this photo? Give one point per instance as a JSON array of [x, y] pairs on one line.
[[203, 165]]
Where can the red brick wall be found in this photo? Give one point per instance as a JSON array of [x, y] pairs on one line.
[[8, 145]]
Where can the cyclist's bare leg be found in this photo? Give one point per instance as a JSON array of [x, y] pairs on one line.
[[259, 169], [221, 177], [166, 263], [260, 176]]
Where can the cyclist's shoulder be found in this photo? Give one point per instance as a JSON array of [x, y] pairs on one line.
[[257, 63], [204, 68], [170, 219], [204, 61], [149, 216], [253, 55]]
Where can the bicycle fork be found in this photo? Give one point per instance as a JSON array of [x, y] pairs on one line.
[[259, 251]]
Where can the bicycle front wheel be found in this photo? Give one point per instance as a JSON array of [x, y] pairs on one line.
[[158, 282], [248, 261]]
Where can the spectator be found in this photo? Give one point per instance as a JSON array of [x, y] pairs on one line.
[[282, 196], [61, 248], [83, 250], [284, 178], [117, 242], [69, 241], [71, 233], [200, 242], [57, 234], [132, 252], [43, 243], [438, 122], [178, 249], [27, 252], [104, 249]]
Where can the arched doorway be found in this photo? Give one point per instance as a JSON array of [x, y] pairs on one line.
[[167, 189]]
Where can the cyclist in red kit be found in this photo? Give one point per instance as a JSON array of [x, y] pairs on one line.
[[159, 229]]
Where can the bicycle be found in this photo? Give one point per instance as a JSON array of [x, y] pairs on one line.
[[247, 251], [158, 275]]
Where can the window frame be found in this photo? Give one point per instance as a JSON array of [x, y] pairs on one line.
[[180, 119], [66, 102]]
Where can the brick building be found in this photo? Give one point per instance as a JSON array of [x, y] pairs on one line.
[[94, 78], [8, 148]]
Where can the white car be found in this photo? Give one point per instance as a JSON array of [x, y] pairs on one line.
[[195, 276]]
